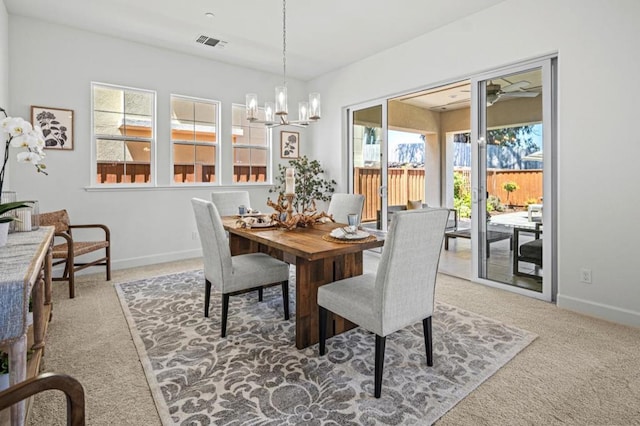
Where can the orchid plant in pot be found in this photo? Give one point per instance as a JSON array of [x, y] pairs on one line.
[[20, 134]]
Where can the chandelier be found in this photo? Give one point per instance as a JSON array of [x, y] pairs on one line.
[[276, 113]]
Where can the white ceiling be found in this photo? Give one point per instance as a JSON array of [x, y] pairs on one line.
[[322, 35], [458, 95]]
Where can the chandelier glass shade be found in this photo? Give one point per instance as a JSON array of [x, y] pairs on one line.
[[277, 113]]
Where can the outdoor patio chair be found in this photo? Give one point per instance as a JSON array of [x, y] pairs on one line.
[[530, 251], [400, 293], [68, 251], [233, 275]]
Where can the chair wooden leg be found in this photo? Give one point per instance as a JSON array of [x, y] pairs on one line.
[[72, 285], [207, 297], [66, 269], [260, 294], [380, 345], [285, 299], [428, 340], [322, 329], [225, 312], [108, 263]]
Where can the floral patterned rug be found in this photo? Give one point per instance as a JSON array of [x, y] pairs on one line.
[[256, 376]]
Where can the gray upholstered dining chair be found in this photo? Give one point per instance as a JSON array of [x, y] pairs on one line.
[[343, 204], [400, 293], [233, 275], [227, 202]]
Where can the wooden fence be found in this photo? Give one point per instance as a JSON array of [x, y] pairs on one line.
[[409, 184], [141, 173], [529, 186], [403, 185], [116, 173]]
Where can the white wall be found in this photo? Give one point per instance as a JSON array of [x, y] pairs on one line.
[[598, 149], [4, 68], [52, 65]]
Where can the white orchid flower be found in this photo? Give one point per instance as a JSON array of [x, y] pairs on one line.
[[6, 123], [38, 131], [21, 134], [29, 157], [16, 126], [20, 141], [30, 139]]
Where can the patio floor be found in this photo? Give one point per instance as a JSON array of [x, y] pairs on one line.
[[457, 260]]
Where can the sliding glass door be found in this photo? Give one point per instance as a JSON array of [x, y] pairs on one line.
[[513, 196], [367, 146]]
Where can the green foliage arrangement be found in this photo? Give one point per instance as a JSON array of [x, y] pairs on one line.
[[310, 185], [7, 207]]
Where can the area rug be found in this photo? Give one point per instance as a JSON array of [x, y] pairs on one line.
[[256, 376]]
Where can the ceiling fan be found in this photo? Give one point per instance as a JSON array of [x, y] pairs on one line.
[[512, 90]]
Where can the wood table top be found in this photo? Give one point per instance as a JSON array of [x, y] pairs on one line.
[[306, 242]]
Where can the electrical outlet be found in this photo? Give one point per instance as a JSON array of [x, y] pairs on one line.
[[194, 235], [585, 276]]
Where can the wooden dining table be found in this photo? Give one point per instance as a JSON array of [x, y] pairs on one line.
[[317, 262]]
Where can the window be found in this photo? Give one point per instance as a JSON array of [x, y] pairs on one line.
[[123, 134], [251, 147], [194, 137]]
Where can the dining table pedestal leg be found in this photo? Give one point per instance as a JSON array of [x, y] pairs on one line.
[[310, 275]]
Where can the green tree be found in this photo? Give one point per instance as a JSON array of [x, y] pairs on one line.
[[509, 187], [515, 137]]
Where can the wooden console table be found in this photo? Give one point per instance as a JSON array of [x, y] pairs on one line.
[[25, 269]]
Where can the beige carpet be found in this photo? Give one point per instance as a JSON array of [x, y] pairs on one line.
[[580, 370]]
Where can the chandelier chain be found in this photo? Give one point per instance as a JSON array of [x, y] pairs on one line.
[[276, 113], [284, 42]]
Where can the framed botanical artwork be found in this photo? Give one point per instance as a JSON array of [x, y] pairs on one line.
[[289, 144], [56, 124]]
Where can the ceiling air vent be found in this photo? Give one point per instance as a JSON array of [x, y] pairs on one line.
[[210, 41]]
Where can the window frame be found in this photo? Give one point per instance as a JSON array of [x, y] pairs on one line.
[[217, 144], [268, 148], [94, 139]]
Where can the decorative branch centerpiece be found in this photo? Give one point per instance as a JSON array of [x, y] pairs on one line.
[[298, 187]]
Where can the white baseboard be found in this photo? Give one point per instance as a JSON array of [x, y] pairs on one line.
[[139, 261], [600, 310], [156, 258]]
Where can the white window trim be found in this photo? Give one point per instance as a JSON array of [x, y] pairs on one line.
[[269, 148], [94, 160], [218, 144]]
